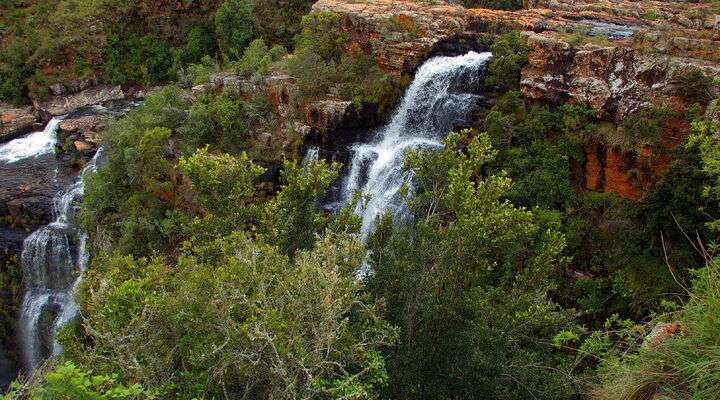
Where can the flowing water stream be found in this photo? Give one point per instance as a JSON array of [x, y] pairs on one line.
[[53, 260], [32, 145], [444, 94]]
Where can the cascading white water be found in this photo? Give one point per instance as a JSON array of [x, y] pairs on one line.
[[442, 95], [32, 145], [312, 154], [53, 260]]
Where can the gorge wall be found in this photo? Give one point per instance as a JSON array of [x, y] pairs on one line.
[[611, 56]]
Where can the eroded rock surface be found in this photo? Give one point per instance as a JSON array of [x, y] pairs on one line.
[[16, 121], [59, 105]]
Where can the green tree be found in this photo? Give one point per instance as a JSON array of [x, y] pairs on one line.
[[13, 72], [278, 21], [466, 280], [234, 27], [233, 315]]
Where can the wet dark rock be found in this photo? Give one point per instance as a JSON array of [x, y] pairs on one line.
[[59, 105], [327, 116]]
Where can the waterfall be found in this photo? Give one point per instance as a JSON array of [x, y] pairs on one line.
[[53, 260], [312, 154], [442, 96], [32, 145]]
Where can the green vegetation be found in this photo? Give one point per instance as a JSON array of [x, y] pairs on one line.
[[215, 275], [67, 382], [467, 282], [278, 21], [47, 42], [679, 361], [321, 66], [259, 296], [234, 25], [510, 53], [693, 84]]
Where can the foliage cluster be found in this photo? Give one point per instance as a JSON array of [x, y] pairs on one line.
[[116, 41], [69, 382], [510, 54], [467, 280], [679, 364], [131, 202], [320, 65], [201, 286]]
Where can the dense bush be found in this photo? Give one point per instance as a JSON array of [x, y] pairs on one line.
[[693, 84], [321, 66], [68, 382], [145, 60], [199, 43], [679, 363], [615, 244], [113, 40], [510, 53], [278, 21], [13, 72], [466, 280], [257, 58]]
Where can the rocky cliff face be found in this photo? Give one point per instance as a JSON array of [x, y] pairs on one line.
[[618, 57]]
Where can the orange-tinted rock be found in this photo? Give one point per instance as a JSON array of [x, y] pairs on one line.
[[663, 332]]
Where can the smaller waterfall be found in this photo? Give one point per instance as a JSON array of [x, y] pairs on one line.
[[32, 145], [442, 95], [311, 154], [53, 260]]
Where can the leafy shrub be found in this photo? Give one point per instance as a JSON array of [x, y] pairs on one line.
[[320, 65], [69, 382], [122, 201], [680, 366], [693, 84], [257, 58], [196, 74], [199, 43], [146, 60], [234, 27], [233, 283], [644, 128], [225, 121], [510, 53], [13, 72], [278, 21]]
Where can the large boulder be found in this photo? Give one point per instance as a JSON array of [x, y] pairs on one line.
[[15, 122]]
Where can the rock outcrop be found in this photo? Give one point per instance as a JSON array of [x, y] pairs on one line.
[[15, 122], [64, 104], [615, 80]]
